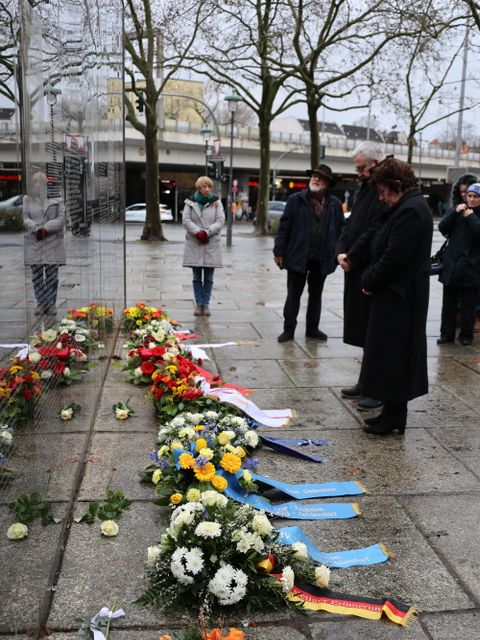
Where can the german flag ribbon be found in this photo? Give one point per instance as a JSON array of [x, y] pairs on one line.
[[314, 599]]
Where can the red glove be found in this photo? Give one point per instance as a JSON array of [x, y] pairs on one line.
[[202, 236], [42, 233]]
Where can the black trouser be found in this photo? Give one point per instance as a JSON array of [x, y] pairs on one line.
[[452, 297], [395, 414], [295, 285]]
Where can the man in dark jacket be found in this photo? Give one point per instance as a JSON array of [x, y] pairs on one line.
[[353, 255], [305, 246]]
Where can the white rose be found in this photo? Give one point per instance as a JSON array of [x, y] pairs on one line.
[[66, 372], [153, 554], [322, 576], [251, 438], [59, 345], [138, 373], [300, 550], [46, 375], [211, 498], [151, 345], [109, 528], [34, 357], [17, 531], [6, 436], [66, 414], [121, 414]]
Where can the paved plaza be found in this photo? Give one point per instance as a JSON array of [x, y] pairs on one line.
[[423, 488]]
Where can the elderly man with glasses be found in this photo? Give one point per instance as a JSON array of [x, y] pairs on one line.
[[305, 246]]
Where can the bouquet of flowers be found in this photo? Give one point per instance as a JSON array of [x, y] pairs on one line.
[[142, 362], [141, 314], [96, 316], [156, 332], [6, 442], [216, 555], [193, 450], [19, 386], [68, 334]]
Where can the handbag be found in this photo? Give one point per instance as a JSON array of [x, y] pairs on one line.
[[436, 261]]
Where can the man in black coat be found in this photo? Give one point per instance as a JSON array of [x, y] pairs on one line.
[[305, 246], [353, 255]]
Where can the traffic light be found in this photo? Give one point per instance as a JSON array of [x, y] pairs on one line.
[[212, 170], [140, 104], [219, 170]]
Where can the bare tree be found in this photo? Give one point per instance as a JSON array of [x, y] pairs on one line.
[[158, 38], [8, 48], [474, 10]]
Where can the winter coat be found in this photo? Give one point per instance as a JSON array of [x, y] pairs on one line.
[[50, 215], [211, 220], [355, 241], [461, 260], [292, 240], [394, 367]]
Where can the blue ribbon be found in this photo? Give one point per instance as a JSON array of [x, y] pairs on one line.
[[318, 490], [325, 511], [281, 445], [374, 554]]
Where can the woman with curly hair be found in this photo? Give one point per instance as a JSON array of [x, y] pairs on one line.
[[394, 367]]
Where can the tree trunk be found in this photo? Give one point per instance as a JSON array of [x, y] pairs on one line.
[[152, 230], [411, 142], [261, 220], [312, 107]]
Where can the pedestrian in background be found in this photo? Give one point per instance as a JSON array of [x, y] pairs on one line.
[[44, 221], [460, 274], [353, 256], [305, 246], [394, 366], [203, 218]]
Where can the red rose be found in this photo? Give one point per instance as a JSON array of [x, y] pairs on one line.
[[27, 394], [158, 351], [58, 368], [63, 354], [147, 368], [145, 353], [43, 364]]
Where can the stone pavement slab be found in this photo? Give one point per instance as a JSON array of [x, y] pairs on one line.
[[341, 372], [358, 629], [458, 625], [255, 373]]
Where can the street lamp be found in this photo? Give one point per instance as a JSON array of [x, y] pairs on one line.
[[206, 131], [274, 185], [232, 101]]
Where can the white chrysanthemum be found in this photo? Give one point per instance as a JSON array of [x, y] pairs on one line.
[[322, 576], [251, 438], [153, 554], [197, 417], [194, 560], [185, 514], [211, 415], [300, 550], [228, 585], [237, 421], [186, 432], [261, 524], [287, 579], [178, 421], [247, 541], [208, 530]]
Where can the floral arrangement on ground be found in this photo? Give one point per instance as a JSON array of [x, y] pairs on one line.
[[196, 448], [141, 314], [95, 316], [215, 555], [19, 386]]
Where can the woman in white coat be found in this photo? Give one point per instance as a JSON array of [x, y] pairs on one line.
[[43, 220], [203, 218]]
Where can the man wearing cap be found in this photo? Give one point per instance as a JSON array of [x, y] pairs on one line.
[[305, 246]]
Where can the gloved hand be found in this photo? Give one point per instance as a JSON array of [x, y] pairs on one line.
[[42, 233], [202, 236]]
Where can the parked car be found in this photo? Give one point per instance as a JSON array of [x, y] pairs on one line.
[[138, 213], [15, 202], [275, 211]]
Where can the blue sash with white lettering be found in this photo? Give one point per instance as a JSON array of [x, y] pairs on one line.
[[374, 554], [325, 511], [317, 490]]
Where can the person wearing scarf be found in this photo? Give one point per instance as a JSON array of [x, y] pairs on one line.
[[203, 218]]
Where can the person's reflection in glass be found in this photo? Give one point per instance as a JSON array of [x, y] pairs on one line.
[[43, 220]]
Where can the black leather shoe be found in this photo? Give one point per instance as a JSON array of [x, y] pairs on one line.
[[445, 340], [465, 341], [376, 420], [285, 336], [369, 404], [383, 429], [351, 392], [316, 335]]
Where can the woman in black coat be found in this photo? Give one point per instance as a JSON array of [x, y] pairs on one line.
[[394, 367], [460, 274]]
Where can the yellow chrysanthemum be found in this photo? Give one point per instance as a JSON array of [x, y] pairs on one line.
[[230, 462], [199, 427], [219, 483], [176, 498], [171, 368], [186, 460], [205, 473], [200, 444]]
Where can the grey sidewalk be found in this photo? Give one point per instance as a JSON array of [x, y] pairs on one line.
[[424, 489]]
